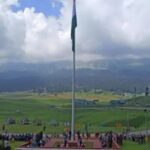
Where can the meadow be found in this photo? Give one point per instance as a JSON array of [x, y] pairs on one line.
[[53, 110], [129, 145]]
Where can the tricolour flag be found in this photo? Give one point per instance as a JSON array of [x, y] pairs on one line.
[[73, 25]]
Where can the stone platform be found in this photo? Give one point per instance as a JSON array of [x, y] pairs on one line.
[[91, 143]]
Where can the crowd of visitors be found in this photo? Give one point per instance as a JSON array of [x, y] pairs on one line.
[[33, 140], [78, 137], [16, 137], [6, 138], [108, 137], [39, 140], [138, 138]]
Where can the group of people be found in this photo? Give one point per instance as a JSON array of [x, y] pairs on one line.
[[16, 137], [39, 140], [78, 137], [138, 138], [6, 138], [34, 140], [108, 138]]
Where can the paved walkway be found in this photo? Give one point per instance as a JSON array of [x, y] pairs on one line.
[[95, 142], [57, 144]]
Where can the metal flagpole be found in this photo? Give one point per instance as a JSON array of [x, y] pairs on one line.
[[146, 129], [73, 98], [74, 25]]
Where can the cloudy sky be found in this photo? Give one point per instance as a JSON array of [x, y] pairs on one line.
[[39, 30]]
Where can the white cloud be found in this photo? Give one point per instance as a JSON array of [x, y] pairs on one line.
[[106, 29], [6, 3]]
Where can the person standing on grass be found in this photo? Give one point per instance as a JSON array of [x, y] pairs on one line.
[[6, 145], [44, 128], [69, 135], [110, 139], [80, 141], [65, 139], [78, 134], [3, 127]]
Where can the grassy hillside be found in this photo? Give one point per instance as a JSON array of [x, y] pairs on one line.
[[54, 107], [139, 101]]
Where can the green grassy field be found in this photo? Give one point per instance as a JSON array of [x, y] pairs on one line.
[[51, 107], [129, 145], [142, 101]]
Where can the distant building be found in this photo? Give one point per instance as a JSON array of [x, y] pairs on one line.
[[40, 90], [98, 91], [84, 103], [10, 121], [25, 121], [117, 102]]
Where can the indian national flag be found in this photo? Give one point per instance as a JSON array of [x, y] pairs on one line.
[[73, 25]]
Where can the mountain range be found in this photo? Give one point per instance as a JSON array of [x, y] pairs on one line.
[[119, 75]]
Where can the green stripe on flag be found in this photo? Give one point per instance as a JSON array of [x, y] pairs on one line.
[[73, 26]]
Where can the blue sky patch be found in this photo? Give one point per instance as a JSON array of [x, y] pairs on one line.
[[47, 7]]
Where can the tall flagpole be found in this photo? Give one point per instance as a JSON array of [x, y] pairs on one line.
[[73, 99], [73, 26]]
